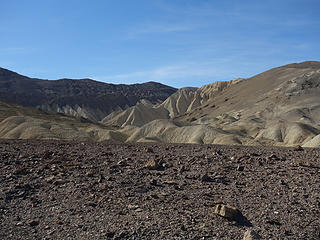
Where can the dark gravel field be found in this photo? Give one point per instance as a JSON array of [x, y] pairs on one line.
[[84, 190]]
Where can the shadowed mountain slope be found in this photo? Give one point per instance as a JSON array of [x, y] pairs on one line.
[[82, 97]]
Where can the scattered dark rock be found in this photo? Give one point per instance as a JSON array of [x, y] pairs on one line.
[[154, 182], [273, 157], [110, 234], [59, 182], [273, 222], [90, 174], [21, 171], [240, 168], [34, 223], [92, 204], [205, 178], [298, 148], [122, 163]]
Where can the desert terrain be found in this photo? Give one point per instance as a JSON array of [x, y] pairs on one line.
[[101, 190], [239, 159]]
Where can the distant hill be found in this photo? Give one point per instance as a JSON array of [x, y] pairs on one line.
[[81, 97], [18, 122]]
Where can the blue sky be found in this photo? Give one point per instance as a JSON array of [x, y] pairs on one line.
[[176, 42]]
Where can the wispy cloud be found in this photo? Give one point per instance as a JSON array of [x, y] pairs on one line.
[[16, 50], [203, 9], [178, 75], [237, 12], [159, 28], [299, 22], [6, 64]]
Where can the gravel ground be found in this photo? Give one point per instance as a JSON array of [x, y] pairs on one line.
[[84, 190]]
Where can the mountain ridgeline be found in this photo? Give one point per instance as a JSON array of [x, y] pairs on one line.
[[279, 107]]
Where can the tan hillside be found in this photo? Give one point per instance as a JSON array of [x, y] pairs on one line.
[[171, 132]]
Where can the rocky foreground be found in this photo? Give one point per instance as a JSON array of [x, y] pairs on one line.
[[83, 190]]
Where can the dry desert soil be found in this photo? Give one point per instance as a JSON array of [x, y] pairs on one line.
[[85, 190]]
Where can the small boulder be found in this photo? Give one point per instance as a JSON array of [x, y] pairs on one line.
[[227, 211], [251, 235]]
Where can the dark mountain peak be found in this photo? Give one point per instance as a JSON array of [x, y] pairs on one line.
[[7, 73], [152, 85]]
